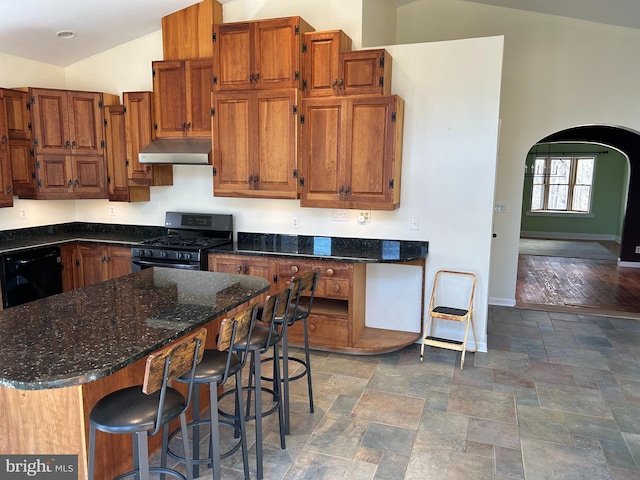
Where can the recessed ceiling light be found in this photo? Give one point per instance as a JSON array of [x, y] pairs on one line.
[[65, 34]]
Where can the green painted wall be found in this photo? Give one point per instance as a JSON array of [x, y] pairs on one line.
[[608, 201]]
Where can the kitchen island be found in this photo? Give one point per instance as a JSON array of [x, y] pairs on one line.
[[63, 353]]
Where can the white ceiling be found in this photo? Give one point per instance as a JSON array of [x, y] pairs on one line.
[[27, 27]]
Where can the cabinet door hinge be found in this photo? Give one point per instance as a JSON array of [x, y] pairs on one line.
[[106, 123], [29, 124], [126, 162], [296, 76], [213, 112], [215, 171], [381, 82], [302, 181], [295, 173], [275, 279], [304, 84], [391, 183], [39, 183], [301, 119], [124, 109], [213, 37], [28, 106], [33, 100], [155, 127], [215, 79], [99, 103], [35, 142], [295, 109], [101, 143], [297, 29], [37, 164], [77, 263], [393, 116], [153, 72], [304, 48], [108, 178], [31, 153], [381, 62]]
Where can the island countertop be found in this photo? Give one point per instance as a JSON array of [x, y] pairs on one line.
[[86, 334]]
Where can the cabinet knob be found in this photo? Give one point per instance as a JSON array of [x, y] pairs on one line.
[[336, 287], [311, 327], [294, 269], [4, 139], [330, 272], [8, 188], [73, 144]]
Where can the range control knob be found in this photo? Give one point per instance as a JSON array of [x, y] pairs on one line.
[[187, 256], [164, 254], [149, 253]]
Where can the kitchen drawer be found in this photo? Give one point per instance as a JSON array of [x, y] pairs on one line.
[[333, 282], [324, 331]]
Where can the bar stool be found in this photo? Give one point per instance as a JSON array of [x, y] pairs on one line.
[[303, 291], [216, 367], [143, 409], [266, 334]]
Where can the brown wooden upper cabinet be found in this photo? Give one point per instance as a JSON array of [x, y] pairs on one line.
[[187, 33], [139, 133], [6, 185], [21, 150], [321, 62], [260, 54], [364, 72], [255, 144], [182, 98], [351, 152]]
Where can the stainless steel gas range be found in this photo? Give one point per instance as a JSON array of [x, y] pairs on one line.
[[189, 236]]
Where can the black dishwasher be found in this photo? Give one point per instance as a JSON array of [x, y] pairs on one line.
[[29, 275]]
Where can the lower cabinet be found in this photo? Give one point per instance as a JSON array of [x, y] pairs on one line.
[[85, 264], [337, 321]]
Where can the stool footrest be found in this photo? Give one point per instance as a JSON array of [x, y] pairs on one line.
[[444, 343]]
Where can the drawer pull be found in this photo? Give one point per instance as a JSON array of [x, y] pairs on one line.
[[311, 327], [294, 269], [330, 272], [336, 287]]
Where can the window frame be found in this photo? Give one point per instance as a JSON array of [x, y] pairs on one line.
[[573, 168]]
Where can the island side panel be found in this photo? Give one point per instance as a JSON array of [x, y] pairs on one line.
[[43, 422]]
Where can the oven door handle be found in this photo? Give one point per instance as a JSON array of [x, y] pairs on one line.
[[147, 263]]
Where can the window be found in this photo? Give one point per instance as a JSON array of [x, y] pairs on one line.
[[562, 184]]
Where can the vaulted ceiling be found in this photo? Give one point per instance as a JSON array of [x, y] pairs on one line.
[[28, 27]]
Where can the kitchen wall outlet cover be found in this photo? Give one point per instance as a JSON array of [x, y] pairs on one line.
[[23, 213], [294, 222], [415, 223], [364, 216], [112, 211], [340, 215]]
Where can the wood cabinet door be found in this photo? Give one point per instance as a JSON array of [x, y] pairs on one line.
[[116, 153], [18, 114], [69, 269], [225, 263], [118, 262], [323, 151], [139, 134], [276, 144], [86, 123], [91, 268], [169, 99], [89, 178], [199, 86], [370, 149], [233, 143], [365, 72], [4, 133], [22, 168], [6, 187], [54, 177], [233, 55], [50, 121], [321, 55], [277, 46]]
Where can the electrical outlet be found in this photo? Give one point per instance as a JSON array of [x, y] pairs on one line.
[[23, 213], [364, 216], [340, 216], [637, 248], [112, 211], [294, 222], [415, 223]]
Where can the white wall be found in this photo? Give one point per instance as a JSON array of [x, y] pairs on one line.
[[558, 73]]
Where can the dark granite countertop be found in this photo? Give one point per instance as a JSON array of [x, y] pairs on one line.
[[329, 248], [33, 237], [85, 334]]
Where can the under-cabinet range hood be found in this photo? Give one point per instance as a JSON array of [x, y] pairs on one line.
[[189, 151]]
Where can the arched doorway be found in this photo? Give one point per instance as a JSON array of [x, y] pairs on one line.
[[593, 286]]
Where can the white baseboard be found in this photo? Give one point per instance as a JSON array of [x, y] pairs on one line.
[[629, 264], [502, 302], [570, 236]]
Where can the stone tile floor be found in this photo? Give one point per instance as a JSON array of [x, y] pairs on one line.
[[557, 396]]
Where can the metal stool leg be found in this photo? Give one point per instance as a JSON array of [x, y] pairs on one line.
[[308, 363]]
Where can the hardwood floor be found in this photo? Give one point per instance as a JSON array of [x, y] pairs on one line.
[[578, 285]]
